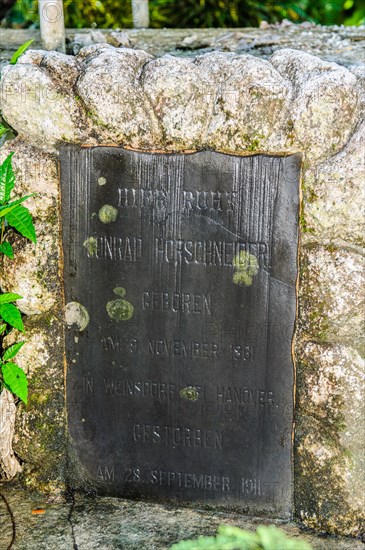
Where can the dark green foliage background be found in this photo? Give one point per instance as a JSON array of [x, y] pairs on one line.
[[196, 13]]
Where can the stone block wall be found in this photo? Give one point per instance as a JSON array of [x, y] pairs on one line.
[[239, 104]]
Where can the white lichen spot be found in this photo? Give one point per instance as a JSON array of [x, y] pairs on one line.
[[77, 314], [76, 339], [102, 181], [108, 214]]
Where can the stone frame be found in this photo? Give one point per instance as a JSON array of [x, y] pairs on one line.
[[239, 104]]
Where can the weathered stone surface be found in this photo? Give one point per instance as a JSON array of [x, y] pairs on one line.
[[93, 50], [332, 296], [33, 273], [359, 72], [325, 105], [40, 440], [111, 90], [8, 461], [332, 43], [179, 95], [63, 69], [40, 111], [223, 101], [329, 190], [32, 57], [251, 103], [118, 524], [330, 378], [330, 462], [36, 173], [82, 40]]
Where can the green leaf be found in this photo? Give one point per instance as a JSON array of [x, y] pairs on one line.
[[7, 249], [7, 179], [12, 351], [9, 297], [2, 328], [21, 219], [202, 543], [11, 315], [20, 51], [3, 130], [11, 205], [230, 537], [15, 380], [271, 537]]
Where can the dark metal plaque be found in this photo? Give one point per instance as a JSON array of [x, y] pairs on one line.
[[180, 286]]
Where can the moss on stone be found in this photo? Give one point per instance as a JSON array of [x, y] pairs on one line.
[[322, 462], [41, 443]]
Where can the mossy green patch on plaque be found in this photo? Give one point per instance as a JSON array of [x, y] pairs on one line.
[[91, 245], [120, 309], [120, 291], [246, 267], [108, 213], [190, 393]]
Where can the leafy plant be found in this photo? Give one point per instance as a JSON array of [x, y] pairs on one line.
[[196, 13], [6, 131], [20, 51], [233, 538], [13, 216]]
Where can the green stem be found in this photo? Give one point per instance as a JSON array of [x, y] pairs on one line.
[[2, 336], [2, 231]]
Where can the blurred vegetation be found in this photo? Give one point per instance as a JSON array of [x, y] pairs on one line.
[[234, 538], [196, 13]]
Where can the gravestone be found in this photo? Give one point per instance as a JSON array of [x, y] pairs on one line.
[[180, 288]]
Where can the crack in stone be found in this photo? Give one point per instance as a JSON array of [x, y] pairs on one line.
[[157, 122], [8, 462], [11, 515], [69, 520]]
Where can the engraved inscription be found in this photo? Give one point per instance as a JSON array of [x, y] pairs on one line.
[[202, 482], [206, 253], [128, 249], [180, 387], [244, 395], [236, 489], [192, 350], [180, 436], [196, 304], [191, 201], [105, 473], [156, 390]]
